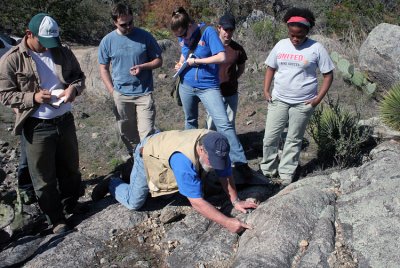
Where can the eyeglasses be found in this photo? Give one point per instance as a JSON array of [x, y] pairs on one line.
[[126, 25], [184, 34]]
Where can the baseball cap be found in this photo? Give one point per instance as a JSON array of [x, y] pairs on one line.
[[227, 21], [46, 29], [217, 148]]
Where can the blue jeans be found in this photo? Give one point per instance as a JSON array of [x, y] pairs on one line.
[[214, 105], [231, 104], [134, 194]]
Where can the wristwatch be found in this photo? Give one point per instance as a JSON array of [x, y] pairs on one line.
[[237, 200]]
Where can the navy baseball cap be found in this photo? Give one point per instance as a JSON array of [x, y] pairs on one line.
[[217, 147], [227, 21], [46, 29]]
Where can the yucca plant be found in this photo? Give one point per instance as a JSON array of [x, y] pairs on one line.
[[390, 108], [337, 135]]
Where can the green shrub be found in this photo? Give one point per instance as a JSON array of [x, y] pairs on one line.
[[337, 135], [390, 108], [265, 33]]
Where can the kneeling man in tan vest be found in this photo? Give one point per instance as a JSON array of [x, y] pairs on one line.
[[172, 161]]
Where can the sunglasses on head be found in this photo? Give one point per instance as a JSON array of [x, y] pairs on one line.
[[125, 25]]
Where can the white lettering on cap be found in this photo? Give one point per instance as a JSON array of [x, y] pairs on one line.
[[48, 28]]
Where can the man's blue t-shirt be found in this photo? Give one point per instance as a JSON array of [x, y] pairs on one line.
[[187, 178], [203, 76], [125, 51]]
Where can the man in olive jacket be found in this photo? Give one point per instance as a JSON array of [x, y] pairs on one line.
[[40, 79], [173, 161]]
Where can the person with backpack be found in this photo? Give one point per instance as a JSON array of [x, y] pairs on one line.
[[202, 50]]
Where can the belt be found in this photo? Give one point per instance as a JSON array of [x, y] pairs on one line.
[[54, 120]]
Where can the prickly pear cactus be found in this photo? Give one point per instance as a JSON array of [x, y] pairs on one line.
[[335, 56], [345, 68], [358, 78], [370, 88]]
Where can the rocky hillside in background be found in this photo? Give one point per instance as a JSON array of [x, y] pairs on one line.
[[342, 218]]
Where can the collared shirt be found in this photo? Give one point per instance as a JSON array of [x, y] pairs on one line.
[[19, 79]]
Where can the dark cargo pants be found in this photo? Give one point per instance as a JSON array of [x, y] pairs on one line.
[[53, 160]]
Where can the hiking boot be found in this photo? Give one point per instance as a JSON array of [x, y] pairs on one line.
[[245, 171], [101, 189], [61, 227], [285, 179]]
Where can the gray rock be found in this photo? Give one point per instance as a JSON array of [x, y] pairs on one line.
[[379, 55], [201, 241], [322, 241], [22, 250], [281, 223], [169, 214], [87, 58], [379, 130], [369, 210]]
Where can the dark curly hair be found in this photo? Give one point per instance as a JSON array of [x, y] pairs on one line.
[[300, 12]]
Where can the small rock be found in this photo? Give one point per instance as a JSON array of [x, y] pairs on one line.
[[140, 239], [103, 261], [249, 122], [95, 135], [162, 76], [338, 244], [169, 214], [9, 129], [303, 243]]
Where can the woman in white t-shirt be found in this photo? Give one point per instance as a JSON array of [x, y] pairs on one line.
[[293, 64]]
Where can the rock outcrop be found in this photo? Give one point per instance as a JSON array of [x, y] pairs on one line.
[[379, 55], [348, 218]]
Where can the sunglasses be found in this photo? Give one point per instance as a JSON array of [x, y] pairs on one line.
[[184, 34], [125, 25]]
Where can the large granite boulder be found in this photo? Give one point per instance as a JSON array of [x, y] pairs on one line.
[[347, 218], [379, 55]]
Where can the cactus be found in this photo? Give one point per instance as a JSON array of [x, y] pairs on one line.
[[370, 88], [335, 56], [346, 68], [358, 78]]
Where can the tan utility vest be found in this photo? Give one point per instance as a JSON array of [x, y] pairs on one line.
[[157, 152]]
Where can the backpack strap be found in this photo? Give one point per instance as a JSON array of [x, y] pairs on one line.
[[197, 39]]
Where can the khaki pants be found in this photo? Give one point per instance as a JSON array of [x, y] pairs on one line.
[[279, 114], [135, 117]]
